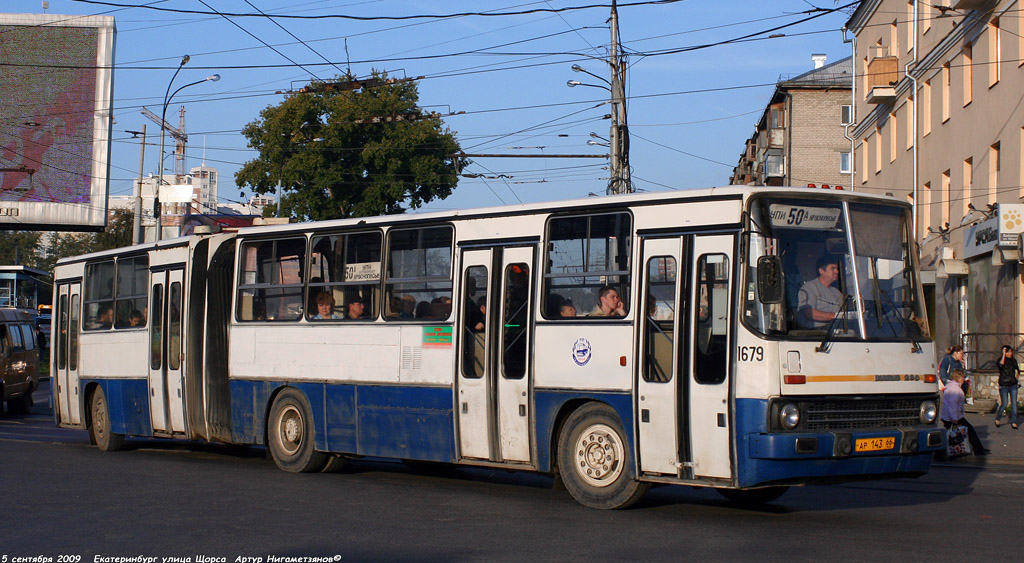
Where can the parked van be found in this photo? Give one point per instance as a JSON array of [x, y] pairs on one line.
[[19, 360]]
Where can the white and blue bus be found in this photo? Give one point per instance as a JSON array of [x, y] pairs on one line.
[[615, 342]]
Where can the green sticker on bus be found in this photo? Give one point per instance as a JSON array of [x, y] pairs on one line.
[[437, 337]]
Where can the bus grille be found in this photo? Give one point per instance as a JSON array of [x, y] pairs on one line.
[[861, 413]]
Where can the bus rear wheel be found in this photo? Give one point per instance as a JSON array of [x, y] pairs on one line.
[[99, 429], [594, 459], [291, 436]]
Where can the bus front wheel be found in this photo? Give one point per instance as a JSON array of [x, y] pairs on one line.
[[99, 430], [594, 459], [291, 434]]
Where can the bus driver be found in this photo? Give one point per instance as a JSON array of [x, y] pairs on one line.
[[818, 300]]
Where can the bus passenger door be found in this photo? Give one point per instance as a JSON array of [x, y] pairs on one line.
[[658, 387], [708, 358], [64, 343], [512, 353], [473, 405], [165, 358], [494, 368]]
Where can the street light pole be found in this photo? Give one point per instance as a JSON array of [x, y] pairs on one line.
[[168, 95]]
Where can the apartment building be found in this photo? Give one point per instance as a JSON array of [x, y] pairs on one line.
[[799, 139], [939, 111]]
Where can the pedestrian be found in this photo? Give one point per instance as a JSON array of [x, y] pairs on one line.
[[1009, 373], [953, 410], [954, 359]]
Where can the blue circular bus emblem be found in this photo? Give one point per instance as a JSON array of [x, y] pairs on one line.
[[581, 351]]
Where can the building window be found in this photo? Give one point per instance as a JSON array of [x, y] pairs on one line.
[[864, 161], [894, 38], [865, 78], [926, 105], [995, 48], [968, 66], [878, 149], [947, 199], [911, 40], [846, 114], [993, 173], [893, 136], [945, 92], [778, 118], [910, 129], [925, 209], [845, 163], [968, 184]]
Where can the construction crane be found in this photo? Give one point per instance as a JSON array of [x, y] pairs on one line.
[[178, 134]]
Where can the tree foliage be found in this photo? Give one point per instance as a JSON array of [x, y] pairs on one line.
[[332, 167]]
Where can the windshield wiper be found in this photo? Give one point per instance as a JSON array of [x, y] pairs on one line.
[[907, 329], [830, 329]]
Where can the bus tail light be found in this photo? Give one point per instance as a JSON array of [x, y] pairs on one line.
[[795, 379], [929, 378]]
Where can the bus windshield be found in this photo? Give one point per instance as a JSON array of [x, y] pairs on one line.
[[845, 270]]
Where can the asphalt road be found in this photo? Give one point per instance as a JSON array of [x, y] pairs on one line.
[[163, 499]]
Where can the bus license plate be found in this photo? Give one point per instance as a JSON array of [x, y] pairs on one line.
[[874, 444]]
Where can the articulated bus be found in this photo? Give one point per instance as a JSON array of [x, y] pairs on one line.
[[614, 343]]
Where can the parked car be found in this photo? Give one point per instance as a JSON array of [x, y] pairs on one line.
[[19, 360]]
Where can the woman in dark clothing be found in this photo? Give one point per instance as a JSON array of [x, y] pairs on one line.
[[1008, 377], [953, 360]]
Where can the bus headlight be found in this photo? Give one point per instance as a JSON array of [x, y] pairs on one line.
[[789, 416], [928, 412]]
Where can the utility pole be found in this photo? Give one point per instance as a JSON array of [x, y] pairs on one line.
[[619, 182], [137, 222]]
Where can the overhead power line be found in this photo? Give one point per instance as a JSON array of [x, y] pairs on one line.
[[385, 18]]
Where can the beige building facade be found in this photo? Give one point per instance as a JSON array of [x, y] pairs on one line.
[[938, 96], [799, 139]]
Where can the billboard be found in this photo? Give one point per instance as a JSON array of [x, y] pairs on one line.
[[56, 103]]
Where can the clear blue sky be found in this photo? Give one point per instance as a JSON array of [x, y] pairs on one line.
[[507, 73]]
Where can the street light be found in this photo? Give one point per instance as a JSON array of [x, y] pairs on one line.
[[578, 68], [168, 95], [575, 83]]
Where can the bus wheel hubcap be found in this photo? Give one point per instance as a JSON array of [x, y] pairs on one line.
[[291, 429], [599, 455]]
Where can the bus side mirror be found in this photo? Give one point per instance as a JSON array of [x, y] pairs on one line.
[[769, 279]]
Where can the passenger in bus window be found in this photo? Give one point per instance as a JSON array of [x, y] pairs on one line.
[[105, 319], [818, 300], [608, 303], [567, 310], [325, 307], [136, 319], [356, 308], [408, 307]]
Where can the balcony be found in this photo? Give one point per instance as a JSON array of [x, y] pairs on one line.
[[883, 74]]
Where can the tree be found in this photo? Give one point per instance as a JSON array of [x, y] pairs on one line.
[[19, 248], [332, 167]]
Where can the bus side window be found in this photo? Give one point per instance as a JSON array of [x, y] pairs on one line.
[[271, 280], [585, 254], [15, 336], [132, 287], [348, 268], [419, 270], [99, 295]]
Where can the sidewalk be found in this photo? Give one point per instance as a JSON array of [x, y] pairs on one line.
[[1006, 444]]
